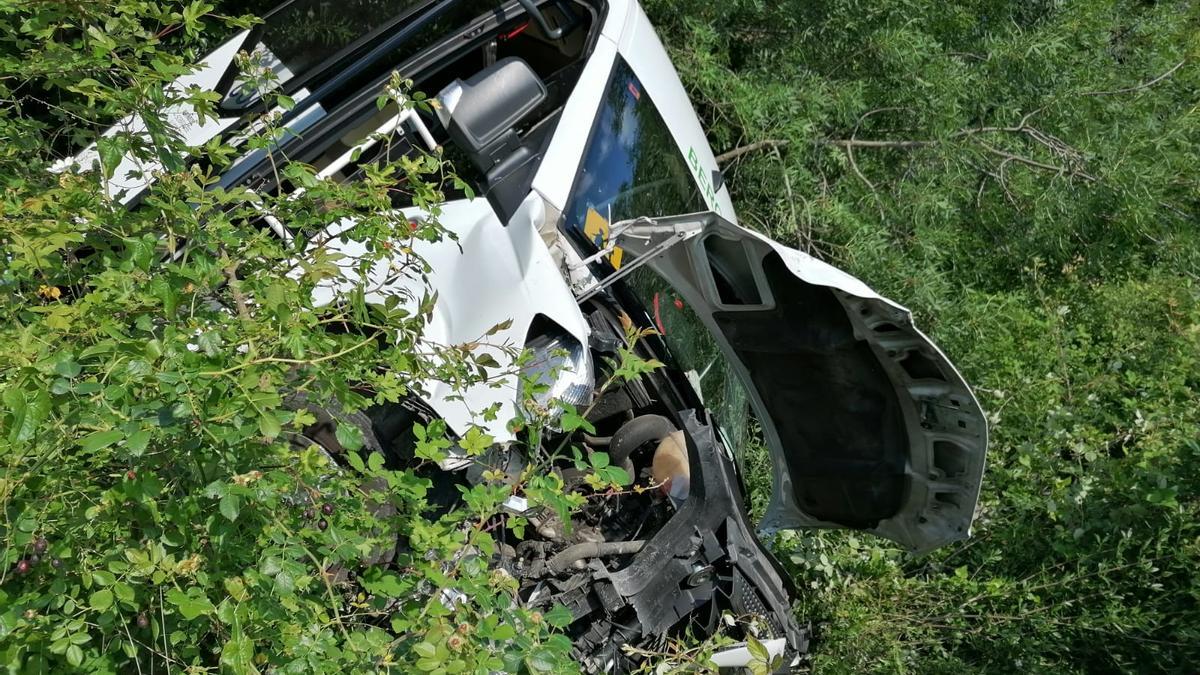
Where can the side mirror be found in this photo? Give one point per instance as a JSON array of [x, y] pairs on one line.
[[481, 114]]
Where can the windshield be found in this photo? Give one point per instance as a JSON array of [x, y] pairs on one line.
[[632, 166], [695, 352]]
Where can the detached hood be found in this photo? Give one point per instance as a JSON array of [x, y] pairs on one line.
[[869, 424]]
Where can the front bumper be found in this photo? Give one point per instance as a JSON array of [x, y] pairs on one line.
[[706, 556]]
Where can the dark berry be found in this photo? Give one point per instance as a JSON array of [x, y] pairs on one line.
[[35, 559], [143, 620], [56, 563], [321, 524], [308, 514], [23, 567], [40, 545], [327, 509]]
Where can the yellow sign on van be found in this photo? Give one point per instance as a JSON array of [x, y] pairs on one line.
[[597, 230]]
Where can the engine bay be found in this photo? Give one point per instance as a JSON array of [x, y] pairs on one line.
[[669, 552]]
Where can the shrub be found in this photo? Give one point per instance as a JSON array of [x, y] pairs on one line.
[[160, 506]]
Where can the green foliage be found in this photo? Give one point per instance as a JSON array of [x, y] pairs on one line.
[[159, 507], [1023, 175]]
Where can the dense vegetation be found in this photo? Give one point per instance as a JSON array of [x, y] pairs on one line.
[[1026, 177], [1023, 175], [159, 508]]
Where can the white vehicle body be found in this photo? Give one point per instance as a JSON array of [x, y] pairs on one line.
[[484, 282]]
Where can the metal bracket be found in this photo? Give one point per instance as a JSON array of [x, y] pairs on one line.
[[643, 239]]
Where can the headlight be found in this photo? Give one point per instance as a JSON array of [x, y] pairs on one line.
[[563, 366]]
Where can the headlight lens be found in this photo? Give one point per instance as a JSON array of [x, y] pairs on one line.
[[563, 366]]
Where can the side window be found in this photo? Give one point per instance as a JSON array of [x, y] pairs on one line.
[[632, 166]]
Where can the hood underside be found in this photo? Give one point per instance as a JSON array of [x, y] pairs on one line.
[[870, 426]]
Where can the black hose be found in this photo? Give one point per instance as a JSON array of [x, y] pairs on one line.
[[572, 554], [597, 441], [609, 405], [637, 432]]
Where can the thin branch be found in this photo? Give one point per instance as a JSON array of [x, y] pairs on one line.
[[969, 55], [299, 362], [752, 147], [1144, 85], [235, 289], [864, 143], [854, 164], [804, 231], [1062, 170]]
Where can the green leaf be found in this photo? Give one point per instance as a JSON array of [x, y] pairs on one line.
[[758, 651], [237, 656], [541, 660], [349, 436], [375, 462], [111, 151], [285, 102], [100, 440], [28, 412], [475, 442], [617, 475], [137, 442], [559, 617], [388, 584], [101, 600], [75, 655], [231, 506], [210, 341], [67, 367], [104, 578], [269, 425], [191, 604], [123, 591], [571, 421]]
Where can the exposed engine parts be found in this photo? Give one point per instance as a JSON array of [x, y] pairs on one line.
[[670, 552]]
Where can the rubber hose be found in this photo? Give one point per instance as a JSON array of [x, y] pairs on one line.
[[570, 555], [610, 404], [637, 432]]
